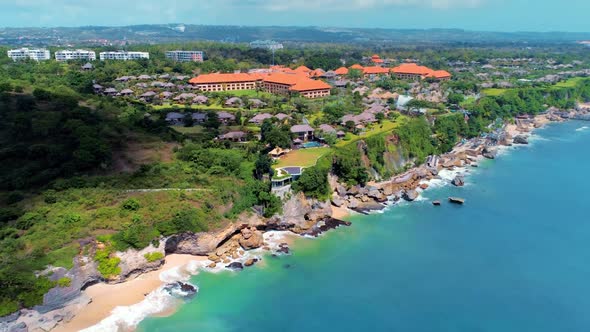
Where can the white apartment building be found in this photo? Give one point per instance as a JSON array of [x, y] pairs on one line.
[[25, 53], [123, 55], [66, 55], [185, 56]]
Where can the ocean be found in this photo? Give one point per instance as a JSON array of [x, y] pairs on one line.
[[515, 257]]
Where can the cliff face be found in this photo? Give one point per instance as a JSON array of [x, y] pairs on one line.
[[382, 156]]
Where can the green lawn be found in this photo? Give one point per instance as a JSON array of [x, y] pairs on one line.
[[376, 129], [188, 130], [493, 92], [571, 83], [247, 93], [302, 157]]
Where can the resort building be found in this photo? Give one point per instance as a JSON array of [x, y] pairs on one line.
[[413, 71], [275, 82], [66, 55], [185, 56], [26, 53], [123, 55], [226, 82], [370, 72], [280, 83]]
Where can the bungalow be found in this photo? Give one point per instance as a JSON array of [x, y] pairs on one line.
[[259, 118], [234, 102], [233, 136], [185, 96], [110, 92], [327, 129], [157, 84], [169, 85], [175, 118], [164, 76], [363, 118], [126, 92], [97, 88], [256, 103], [200, 100], [144, 77], [278, 152], [166, 95], [148, 95], [141, 85], [304, 132], [199, 118], [122, 79], [282, 116], [226, 117], [87, 66]]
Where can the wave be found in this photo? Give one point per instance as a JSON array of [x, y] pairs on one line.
[[128, 317], [582, 128]]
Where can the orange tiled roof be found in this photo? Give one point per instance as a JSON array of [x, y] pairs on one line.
[[317, 73], [377, 60], [375, 56], [375, 70], [224, 78], [341, 71], [297, 82], [302, 69], [356, 66], [412, 69], [441, 74]]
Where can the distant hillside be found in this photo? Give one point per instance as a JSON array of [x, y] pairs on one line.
[[179, 33]]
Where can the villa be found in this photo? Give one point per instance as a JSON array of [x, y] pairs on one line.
[[303, 132]]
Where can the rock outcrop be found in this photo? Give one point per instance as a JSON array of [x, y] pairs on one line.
[[458, 181], [520, 139], [490, 152], [410, 195], [250, 238]]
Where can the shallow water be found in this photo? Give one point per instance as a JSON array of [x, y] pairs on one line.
[[514, 258]]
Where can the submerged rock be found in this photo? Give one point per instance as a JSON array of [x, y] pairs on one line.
[[235, 266], [520, 139], [180, 289]]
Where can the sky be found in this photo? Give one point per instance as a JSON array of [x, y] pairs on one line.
[[482, 15]]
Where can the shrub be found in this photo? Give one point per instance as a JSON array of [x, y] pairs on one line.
[[14, 197], [28, 220], [153, 256], [64, 282], [131, 204], [50, 196], [107, 266]]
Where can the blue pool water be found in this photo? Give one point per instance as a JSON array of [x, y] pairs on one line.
[[516, 258], [308, 145]]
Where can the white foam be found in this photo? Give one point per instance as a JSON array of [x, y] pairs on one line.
[[582, 128], [128, 317]]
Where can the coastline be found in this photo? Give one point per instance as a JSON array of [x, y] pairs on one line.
[[127, 293], [104, 303]]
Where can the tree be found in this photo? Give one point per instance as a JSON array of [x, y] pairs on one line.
[[379, 116], [212, 121], [455, 98], [188, 120], [263, 166], [355, 74], [313, 182]]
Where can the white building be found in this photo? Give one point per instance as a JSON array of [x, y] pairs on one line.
[[33, 54], [123, 55], [66, 55], [268, 44], [185, 56]]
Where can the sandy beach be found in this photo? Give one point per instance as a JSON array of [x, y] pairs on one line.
[[106, 297], [340, 212]]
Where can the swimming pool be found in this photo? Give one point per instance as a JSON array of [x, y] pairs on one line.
[[311, 145]]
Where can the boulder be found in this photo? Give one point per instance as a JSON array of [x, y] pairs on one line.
[[410, 195], [424, 186], [20, 327], [520, 139], [235, 266], [341, 190], [353, 203], [212, 265], [374, 193], [251, 238], [489, 152], [337, 201], [458, 181], [250, 262]]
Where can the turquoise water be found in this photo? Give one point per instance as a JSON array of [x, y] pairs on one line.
[[309, 145], [516, 257]]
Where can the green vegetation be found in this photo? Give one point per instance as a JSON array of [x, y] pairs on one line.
[[108, 264], [493, 92], [64, 282], [154, 256]]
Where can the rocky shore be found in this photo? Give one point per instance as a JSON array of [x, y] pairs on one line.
[[224, 248], [228, 247], [407, 186]]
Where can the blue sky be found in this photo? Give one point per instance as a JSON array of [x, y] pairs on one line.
[[489, 15]]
